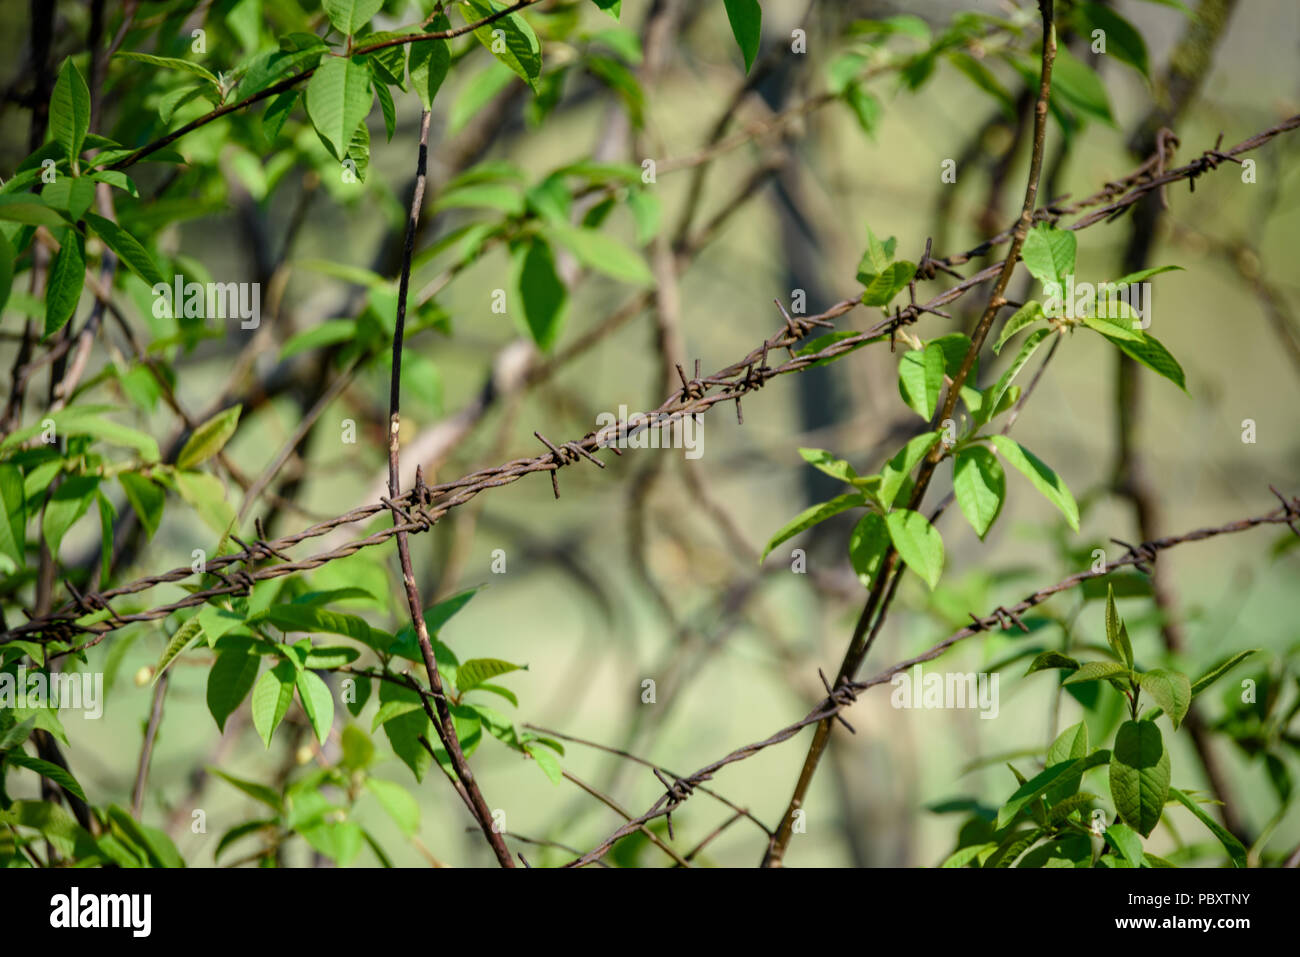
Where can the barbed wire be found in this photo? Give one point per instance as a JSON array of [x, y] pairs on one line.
[[423, 506], [845, 693]]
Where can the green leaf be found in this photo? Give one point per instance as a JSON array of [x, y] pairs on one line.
[[883, 287], [746, 18], [1026, 352], [1142, 274], [405, 730], [1116, 633], [603, 253], [1052, 659], [876, 259], [1043, 478], [127, 248], [229, 681], [827, 463], [70, 110], [510, 39], [1124, 840], [338, 99], [920, 379], [1149, 351], [868, 543], [1048, 253], [66, 504], [1075, 82], [54, 824], [186, 635], [258, 792], [147, 498], [543, 292], [897, 469], [1070, 745], [918, 543], [475, 671], [811, 516], [13, 515], [1236, 850], [6, 269], [349, 16], [1171, 690], [329, 657], [327, 333], [207, 496], [271, 697], [980, 486], [209, 438], [172, 63], [965, 855], [1026, 315], [317, 702], [1061, 775], [1123, 41], [398, 802], [547, 761], [1139, 775], [46, 769], [429, 62], [1220, 669], [306, 618], [67, 278], [1096, 671]]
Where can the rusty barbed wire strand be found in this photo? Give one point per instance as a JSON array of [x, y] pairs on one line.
[[427, 504], [1003, 616]]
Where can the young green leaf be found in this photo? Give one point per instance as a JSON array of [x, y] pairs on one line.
[[475, 671], [66, 505], [1219, 670], [1048, 253], [209, 438], [271, 698], [1139, 775], [883, 287], [1070, 745], [1125, 841], [1116, 633], [70, 110], [186, 635], [147, 498], [127, 248], [317, 702], [429, 62], [811, 516], [1170, 690], [1026, 315], [918, 543], [823, 461], [746, 18], [1052, 659], [868, 543], [67, 279], [897, 469], [920, 379], [1149, 351], [980, 486], [13, 515], [1043, 478], [1236, 850], [1096, 671], [1026, 352]]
